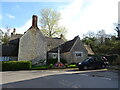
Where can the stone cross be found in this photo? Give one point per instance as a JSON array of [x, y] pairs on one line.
[[58, 54]]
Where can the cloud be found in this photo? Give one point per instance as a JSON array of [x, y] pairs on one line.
[[10, 16], [24, 27], [82, 16], [21, 29]]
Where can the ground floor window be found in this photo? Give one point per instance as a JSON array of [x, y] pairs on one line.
[[78, 54], [53, 55]]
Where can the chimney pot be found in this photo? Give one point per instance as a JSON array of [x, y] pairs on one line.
[[34, 21]]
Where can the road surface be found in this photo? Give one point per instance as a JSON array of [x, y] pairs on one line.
[[62, 78]]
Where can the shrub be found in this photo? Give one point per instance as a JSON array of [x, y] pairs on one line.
[[16, 65], [111, 58]]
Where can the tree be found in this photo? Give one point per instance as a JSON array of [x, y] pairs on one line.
[[117, 29], [118, 32], [49, 23], [1, 36], [103, 43], [5, 36], [101, 35]]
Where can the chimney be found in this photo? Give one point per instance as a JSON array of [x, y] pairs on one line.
[[14, 30], [61, 36], [34, 21]]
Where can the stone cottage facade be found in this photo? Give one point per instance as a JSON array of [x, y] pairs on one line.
[[34, 46], [72, 51]]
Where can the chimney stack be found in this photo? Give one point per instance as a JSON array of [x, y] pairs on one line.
[[61, 36], [34, 21], [14, 30]]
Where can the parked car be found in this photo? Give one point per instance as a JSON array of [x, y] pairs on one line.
[[104, 59], [92, 63]]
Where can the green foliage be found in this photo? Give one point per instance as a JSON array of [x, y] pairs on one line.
[[5, 39], [110, 45], [40, 67], [16, 65], [72, 66], [88, 40], [53, 61], [112, 58]]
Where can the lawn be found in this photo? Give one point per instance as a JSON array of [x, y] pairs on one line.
[[40, 67]]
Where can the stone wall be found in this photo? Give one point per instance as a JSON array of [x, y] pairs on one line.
[[77, 47], [33, 46]]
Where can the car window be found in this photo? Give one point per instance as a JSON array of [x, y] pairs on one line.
[[91, 60]]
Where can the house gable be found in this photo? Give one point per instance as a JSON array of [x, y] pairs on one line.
[[77, 53], [32, 45]]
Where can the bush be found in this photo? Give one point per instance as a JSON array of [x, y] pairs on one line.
[[111, 58], [16, 65], [53, 61]]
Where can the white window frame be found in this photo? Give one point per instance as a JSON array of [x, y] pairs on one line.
[[77, 54], [54, 55]]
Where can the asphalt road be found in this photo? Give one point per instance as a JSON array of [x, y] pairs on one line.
[[63, 78]]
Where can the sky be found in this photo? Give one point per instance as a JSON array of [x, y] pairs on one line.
[[78, 16]]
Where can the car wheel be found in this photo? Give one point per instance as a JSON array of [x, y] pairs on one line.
[[85, 67], [103, 66]]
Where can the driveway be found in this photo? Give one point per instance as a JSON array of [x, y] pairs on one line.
[[60, 78]]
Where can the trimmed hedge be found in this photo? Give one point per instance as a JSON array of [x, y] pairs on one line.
[[16, 65]]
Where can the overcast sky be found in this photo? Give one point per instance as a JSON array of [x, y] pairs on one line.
[[78, 16]]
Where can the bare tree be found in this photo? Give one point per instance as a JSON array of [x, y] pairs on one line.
[[118, 32], [49, 23], [101, 35]]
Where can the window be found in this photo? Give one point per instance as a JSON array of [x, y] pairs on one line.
[[78, 54], [54, 55]]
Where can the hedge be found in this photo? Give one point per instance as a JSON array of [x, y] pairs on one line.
[[16, 65]]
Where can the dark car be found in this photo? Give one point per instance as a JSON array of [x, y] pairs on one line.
[[92, 63]]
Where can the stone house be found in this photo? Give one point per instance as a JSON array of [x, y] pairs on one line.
[[34, 46], [72, 51]]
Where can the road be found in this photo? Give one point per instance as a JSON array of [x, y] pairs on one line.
[[62, 78]]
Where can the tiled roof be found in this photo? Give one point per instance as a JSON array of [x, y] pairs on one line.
[[90, 52], [65, 47], [16, 36]]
